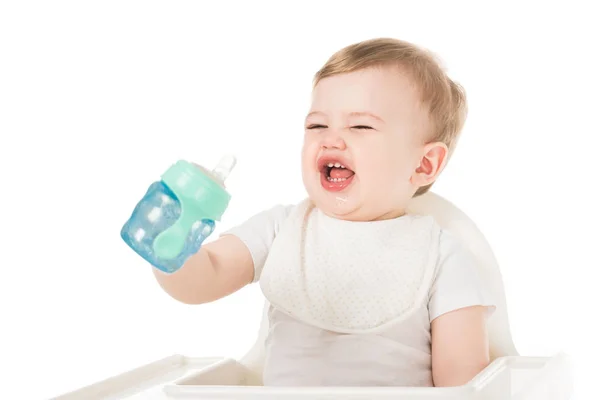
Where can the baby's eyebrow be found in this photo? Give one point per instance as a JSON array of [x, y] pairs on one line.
[[365, 114], [352, 114], [315, 113]]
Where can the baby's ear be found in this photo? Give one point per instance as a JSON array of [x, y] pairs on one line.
[[432, 163]]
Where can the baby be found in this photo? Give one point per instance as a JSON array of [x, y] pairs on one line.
[[362, 293]]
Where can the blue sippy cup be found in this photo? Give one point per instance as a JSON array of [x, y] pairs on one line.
[[178, 213]]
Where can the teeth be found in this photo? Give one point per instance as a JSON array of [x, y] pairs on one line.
[[337, 165], [336, 179]]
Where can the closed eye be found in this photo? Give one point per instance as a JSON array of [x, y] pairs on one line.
[[316, 126], [362, 127]]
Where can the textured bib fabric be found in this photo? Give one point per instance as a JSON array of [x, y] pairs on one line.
[[350, 277]]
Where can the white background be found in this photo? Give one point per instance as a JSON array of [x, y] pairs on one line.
[[98, 98]]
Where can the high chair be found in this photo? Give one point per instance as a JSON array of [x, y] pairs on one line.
[[509, 375]]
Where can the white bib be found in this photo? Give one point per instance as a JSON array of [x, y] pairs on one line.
[[350, 277]]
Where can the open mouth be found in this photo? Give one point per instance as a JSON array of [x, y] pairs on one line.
[[335, 175]]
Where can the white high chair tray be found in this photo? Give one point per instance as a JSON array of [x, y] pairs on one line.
[[179, 377]]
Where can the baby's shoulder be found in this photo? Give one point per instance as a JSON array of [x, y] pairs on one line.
[[452, 247], [455, 259]]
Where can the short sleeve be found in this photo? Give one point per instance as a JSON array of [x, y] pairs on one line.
[[458, 283], [258, 233]]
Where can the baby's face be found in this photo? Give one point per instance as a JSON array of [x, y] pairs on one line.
[[364, 140]]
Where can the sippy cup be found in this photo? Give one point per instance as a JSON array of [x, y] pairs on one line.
[[178, 213]]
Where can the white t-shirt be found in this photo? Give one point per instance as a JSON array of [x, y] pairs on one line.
[[298, 354]]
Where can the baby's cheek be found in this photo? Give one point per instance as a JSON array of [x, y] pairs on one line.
[[380, 171], [391, 171], [309, 153], [387, 160]]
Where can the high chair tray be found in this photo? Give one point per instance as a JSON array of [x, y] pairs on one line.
[[179, 377]]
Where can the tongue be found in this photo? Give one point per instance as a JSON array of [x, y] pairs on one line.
[[340, 173]]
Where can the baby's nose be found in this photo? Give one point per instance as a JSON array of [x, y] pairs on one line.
[[333, 140]]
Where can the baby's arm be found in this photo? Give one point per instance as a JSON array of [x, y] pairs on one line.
[[459, 306], [459, 346], [217, 270], [227, 264]]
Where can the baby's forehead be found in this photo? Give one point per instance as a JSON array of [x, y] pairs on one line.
[[386, 92]]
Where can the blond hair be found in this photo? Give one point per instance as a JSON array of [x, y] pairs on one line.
[[444, 99]]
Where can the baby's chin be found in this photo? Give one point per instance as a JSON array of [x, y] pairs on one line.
[[340, 206], [346, 208], [346, 205]]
